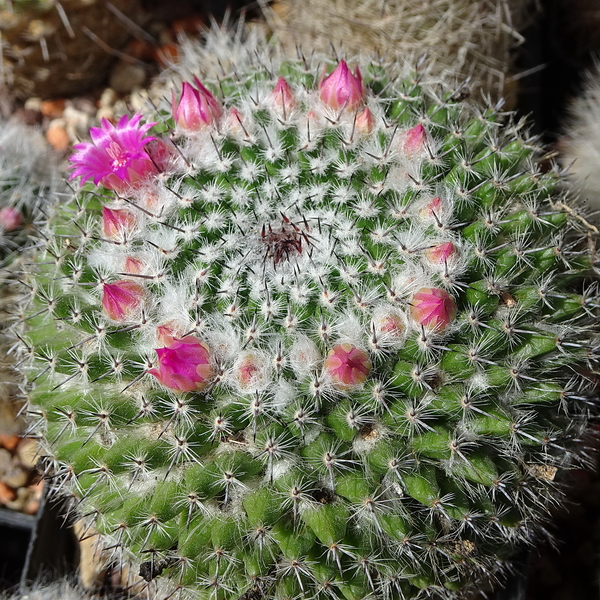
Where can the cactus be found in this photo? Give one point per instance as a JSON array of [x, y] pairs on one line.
[[311, 332], [579, 145]]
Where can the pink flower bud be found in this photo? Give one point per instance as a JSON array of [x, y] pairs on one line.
[[364, 121], [389, 326], [133, 265], [342, 89], [10, 218], [117, 223], [347, 366], [283, 96], [414, 140], [184, 364], [167, 331], [433, 308], [251, 372], [433, 208], [441, 254], [196, 108], [234, 122], [122, 300]]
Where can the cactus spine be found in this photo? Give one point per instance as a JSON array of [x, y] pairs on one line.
[[311, 332]]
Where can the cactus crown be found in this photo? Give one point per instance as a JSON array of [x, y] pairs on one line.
[[314, 333]]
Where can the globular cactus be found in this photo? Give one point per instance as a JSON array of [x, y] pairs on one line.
[[579, 145], [311, 332]]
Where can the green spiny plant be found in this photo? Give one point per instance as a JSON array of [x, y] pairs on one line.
[[311, 333]]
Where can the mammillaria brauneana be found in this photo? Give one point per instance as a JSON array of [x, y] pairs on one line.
[[313, 334]]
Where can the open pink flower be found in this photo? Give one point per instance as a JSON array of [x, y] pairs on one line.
[[117, 156], [196, 108], [122, 300], [342, 89], [347, 366], [433, 308], [184, 364]]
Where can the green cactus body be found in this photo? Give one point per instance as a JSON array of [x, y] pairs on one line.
[[383, 305]]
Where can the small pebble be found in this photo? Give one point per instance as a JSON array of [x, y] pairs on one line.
[[52, 108], [22, 497], [105, 112], [33, 104], [7, 494], [57, 135], [10, 442], [107, 97], [125, 77], [27, 452], [16, 477], [77, 123]]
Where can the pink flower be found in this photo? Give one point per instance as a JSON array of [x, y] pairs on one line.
[[116, 157], [116, 223], [414, 140], [347, 366], [342, 89], [196, 108], [184, 364], [283, 96], [122, 300], [11, 219], [433, 307], [441, 254]]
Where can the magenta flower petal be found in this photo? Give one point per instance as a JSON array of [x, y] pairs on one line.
[[347, 366], [117, 157], [183, 365], [342, 88], [433, 307]]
